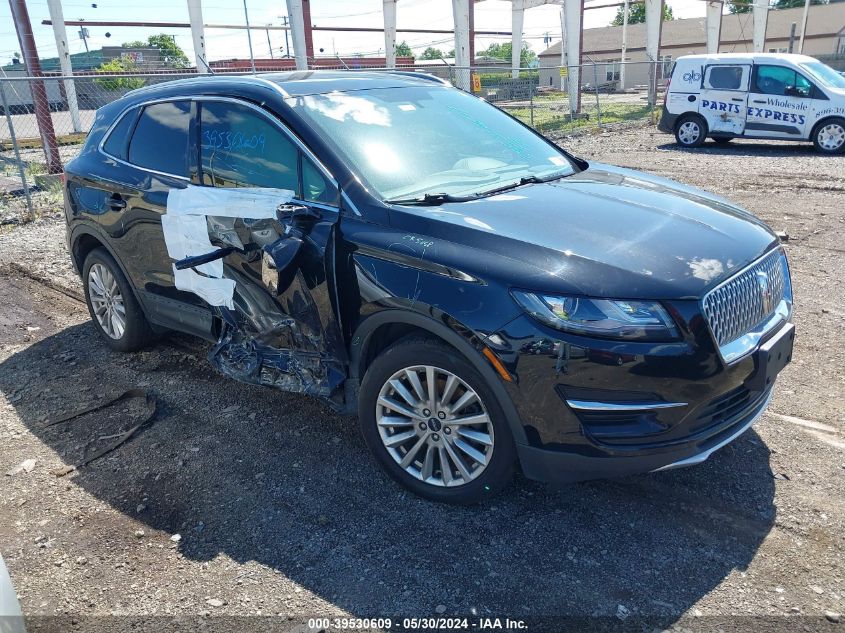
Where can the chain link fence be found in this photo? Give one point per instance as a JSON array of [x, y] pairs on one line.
[[544, 98]]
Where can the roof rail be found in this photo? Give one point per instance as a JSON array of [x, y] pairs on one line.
[[420, 75]]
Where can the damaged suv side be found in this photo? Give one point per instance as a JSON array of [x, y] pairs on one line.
[[406, 252]]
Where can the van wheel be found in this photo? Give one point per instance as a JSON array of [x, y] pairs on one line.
[[433, 423], [829, 136], [690, 131], [112, 304]]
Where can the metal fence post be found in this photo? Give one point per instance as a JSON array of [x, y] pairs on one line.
[[531, 95], [14, 140], [598, 101]]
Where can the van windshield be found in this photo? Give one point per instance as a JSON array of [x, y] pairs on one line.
[[426, 141], [825, 75]]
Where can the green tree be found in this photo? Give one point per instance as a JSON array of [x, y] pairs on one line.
[[172, 54], [118, 66], [504, 51], [791, 4], [403, 50], [432, 53], [636, 14]]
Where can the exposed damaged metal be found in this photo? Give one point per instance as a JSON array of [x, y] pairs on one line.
[[272, 333]]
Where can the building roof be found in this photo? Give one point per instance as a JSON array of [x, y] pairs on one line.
[[824, 20]]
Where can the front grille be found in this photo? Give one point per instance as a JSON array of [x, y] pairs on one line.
[[746, 300]]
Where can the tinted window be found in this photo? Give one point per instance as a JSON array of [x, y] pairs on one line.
[[242, 148], [118, 140], [781, 81], [315, 187], [725, 77], [160, 140]]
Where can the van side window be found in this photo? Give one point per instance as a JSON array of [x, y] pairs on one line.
[[724, 78], [782, 82], [242, 148], [160, 141]]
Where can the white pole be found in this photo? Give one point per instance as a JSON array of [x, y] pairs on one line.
[[804, 26], [653, 23], [624, 45], [714, 25], [460, 10], [297, 32], [389, 12], [572, 21], [198, 34], [249, 38], [563, 80], [517, 20], [58, 20], [761, 17]]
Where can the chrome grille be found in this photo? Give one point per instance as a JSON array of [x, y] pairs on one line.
[[745, 301]]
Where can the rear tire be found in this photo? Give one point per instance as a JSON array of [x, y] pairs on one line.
[[690, 131], [428, 445], [829, 136], [112, 304]]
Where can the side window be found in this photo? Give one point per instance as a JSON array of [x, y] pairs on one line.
[[725, 77], [315, 187], [118, 141], [160, 140], [782, 82], [242, 148]]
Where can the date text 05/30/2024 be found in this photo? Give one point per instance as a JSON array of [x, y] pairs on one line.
[[417, 624]]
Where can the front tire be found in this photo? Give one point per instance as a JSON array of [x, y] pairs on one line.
[[433, 423], [829, 136], [112, 304], [690, 131]]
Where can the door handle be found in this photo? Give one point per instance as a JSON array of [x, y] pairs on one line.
[[736, 99], [116, 203], [758, 101]]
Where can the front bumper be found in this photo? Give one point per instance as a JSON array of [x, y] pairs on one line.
[[595, 409], [560, 467]]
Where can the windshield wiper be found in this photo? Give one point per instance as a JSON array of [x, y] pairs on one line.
[[525, 180], [431, 199]]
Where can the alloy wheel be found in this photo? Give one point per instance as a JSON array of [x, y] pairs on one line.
[[107, 301], [689, 132], [434, 426], [831, 137]]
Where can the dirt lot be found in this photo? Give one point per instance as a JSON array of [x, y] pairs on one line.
[[279, 510]]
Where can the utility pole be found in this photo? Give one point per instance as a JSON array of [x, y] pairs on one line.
[[803, 27], [287, 45], [83, 35], [624, 45], [39, 95], [791, 38]]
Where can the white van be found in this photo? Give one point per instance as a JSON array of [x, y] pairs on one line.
[[755, 95]]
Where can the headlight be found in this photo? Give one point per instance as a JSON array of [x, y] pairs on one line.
[[610, 318]]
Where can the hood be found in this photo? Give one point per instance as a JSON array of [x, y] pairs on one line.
[[605, 231]]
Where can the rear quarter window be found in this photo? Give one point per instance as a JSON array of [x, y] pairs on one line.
[[117, 143], [160, 140]]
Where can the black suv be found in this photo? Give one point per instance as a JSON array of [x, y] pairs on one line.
[[407, 252]]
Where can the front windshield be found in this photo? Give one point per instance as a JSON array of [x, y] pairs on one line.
[[409, 142], [825, 75]]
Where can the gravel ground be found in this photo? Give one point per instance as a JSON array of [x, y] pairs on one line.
[[243, 501]]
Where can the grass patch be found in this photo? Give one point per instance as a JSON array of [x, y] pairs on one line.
[[547, 119]]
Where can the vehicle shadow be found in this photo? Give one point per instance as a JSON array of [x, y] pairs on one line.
[[276, 478], [742, 147]]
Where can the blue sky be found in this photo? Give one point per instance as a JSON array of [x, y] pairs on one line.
[[224, 44]]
